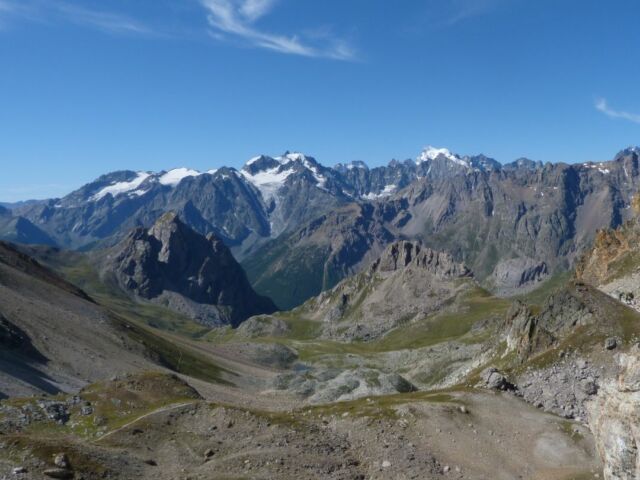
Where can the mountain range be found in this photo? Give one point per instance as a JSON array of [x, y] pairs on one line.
[[128, 374], [299, 227]]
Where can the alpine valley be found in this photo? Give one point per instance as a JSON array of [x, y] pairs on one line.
[[446, 316]]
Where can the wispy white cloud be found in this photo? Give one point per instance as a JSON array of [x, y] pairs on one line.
[[602, 106], [464, 9], [254, 9], [62, 11], [238, 17], [106, 21]]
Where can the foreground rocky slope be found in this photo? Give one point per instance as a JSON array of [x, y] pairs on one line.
[[171, 264], [49, 329], [155, 426]]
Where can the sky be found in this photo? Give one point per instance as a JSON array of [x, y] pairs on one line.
[[92, 86]]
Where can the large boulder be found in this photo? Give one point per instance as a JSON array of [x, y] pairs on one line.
[[494, 379]]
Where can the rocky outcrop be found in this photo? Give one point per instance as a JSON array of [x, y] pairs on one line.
[[407, 282], [614, 417], [263, 326], [561, 350], [494, 379], [529, 334], [606, 260], [405, 254], [173, 265]]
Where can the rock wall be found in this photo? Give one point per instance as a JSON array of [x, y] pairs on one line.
[[614, 417]]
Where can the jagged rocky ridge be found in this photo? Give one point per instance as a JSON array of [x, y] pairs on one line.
[[173, 265]]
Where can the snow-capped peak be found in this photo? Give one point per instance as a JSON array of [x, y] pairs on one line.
[[267, 180], [293, 156], [261, 162], [268, 174], [253, 160], [431, 153]]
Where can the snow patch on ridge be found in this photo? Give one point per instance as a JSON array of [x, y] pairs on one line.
[[175, 176], [122, 187], [268, 182], [600, 166], [386, 191]]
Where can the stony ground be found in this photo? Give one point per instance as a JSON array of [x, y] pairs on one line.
[[133, 433]]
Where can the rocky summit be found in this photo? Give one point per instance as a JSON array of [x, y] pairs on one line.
[[172, 265]]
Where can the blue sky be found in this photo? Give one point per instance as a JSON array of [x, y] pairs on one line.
[[88, 87]]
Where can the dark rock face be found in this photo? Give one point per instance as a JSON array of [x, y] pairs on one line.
[[196, 275]]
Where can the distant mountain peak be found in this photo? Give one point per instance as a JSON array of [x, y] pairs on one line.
[[268, 174]]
